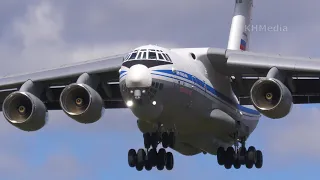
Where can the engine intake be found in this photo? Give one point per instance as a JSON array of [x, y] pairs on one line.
[[82, 103], [271, 98], [25, 111]]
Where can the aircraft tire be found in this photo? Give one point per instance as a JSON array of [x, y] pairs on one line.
[[243, 152], [259, 161], [250, 157], [148, 165], [169, 161], [152, 156], [132, 158], [141, 158], [221, 156], [161, 159], [229, 158]]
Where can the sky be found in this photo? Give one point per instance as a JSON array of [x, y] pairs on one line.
[[38, 34]]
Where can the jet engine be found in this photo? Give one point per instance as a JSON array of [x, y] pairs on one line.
[[82, 103], [25, 111], [271, 98]]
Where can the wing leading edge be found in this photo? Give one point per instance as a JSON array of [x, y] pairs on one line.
[[246, 68], [107, 69]]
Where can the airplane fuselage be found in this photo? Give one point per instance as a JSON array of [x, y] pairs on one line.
[[187, 95]]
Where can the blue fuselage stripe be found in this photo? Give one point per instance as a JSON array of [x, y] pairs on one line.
[[202, 85]]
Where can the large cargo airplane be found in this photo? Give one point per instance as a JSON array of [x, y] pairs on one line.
[[189, 99]]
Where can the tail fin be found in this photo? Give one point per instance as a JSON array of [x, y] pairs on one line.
[[240, 32]]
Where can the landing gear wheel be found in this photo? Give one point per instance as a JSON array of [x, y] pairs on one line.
[[132, 158], [229, 158], [250, 157], [152, 157], [242, 151], [161, 159], [148, 165], [169, 161], [147, 140], [221, 156], [141, 158], [165, 140], [259, 161]]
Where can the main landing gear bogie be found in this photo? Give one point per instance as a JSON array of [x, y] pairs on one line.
[[149, 157], [239, 156]]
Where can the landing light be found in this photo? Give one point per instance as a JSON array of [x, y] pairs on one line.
[[173, 70], [129, 103], [154, 103]]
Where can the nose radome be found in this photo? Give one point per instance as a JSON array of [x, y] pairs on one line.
[[138, 76]]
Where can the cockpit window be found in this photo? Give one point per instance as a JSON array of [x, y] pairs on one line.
[[139, 55], [160, 56], [165, 57], [126, 58], [152, 55], [168, 57], [145, 54], [133, 55]]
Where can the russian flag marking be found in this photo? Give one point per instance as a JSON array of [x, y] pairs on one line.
[[243, 45]]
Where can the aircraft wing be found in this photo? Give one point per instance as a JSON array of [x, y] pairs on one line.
[[57, 78], [247, 67]]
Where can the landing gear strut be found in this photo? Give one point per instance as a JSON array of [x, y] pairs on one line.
[[149, 157], [153, 139], [239, 156]]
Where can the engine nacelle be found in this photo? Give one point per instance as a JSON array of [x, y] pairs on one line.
[[82, 103], [25, 111], [271, 98]]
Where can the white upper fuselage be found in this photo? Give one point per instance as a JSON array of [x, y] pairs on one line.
[[180, 91]]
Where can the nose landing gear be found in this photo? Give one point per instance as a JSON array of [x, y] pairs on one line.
[[149, 157]]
